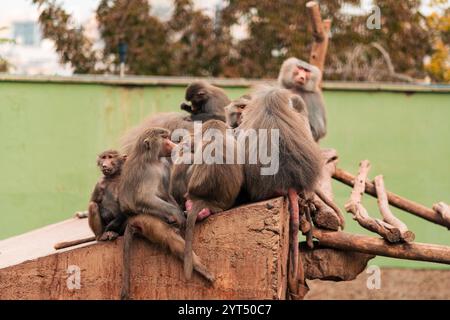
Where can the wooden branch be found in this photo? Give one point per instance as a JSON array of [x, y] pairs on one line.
[[443, 210], [360, 214], [320, 35], [324, 215], [396, 200], [316, 20], [365, 244], [387, 214]]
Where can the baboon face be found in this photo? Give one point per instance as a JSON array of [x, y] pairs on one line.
[[301, 76], [110, 162], [235, 109], [158, 140]]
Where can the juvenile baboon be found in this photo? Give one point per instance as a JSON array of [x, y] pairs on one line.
[[104, 215], [214, 184], [205, 102], [143, 194], [144, 186], [234, 110], [299, 158], [303, 79]]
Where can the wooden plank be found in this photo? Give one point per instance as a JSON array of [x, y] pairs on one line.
[[246, 248]]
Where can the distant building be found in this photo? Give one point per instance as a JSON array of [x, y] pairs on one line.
[[27, 33]]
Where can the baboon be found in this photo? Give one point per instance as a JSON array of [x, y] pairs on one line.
[[144, 186], [181, 169], [143, 195], [214, 184], [303, 79], [105, 219], [204, 102], [299, 157], [234, 110]]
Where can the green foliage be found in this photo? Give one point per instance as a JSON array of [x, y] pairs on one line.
[[146, 36], [4, 64], [193, 43]]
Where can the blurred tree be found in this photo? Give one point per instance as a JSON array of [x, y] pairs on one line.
[[276, 30], [70, 43], [146, 37], [279, 29], [4, 64], [265, 32], [200, 45], [438, 66]]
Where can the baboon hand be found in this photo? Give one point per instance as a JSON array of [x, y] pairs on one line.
[[109, 235]]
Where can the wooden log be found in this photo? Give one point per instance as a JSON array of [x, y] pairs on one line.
[[325, 216], [388, 216], [395, 200], [332, 264], [371, 245], [246, 248], [360, 214], [443, 210], [320, 35], [316, 21]]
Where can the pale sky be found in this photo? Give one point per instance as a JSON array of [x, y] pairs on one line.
[[13, 10]]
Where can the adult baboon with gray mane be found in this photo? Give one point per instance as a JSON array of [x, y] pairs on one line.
[[299, 161], [303, 79]]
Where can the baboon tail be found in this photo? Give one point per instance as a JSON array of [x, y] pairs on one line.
[[126, 262], [189, 237]]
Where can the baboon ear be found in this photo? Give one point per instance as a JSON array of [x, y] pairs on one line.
[[124, 157]]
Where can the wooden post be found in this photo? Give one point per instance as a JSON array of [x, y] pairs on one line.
[[365, 244], [395, 200], [321, 31]]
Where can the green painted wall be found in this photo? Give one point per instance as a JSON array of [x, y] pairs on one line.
[[50, 135]]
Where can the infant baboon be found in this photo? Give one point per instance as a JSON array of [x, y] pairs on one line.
[[104, 215]]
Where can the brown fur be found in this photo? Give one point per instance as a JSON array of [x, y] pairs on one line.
[[299, 160], [105, 218], [145, 182], [143, 193], [234, 110], [299, 157], [310, 93], [207, 102], [211, 186], [181, 172]]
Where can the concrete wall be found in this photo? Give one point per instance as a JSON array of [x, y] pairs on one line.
[[51, 130]]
